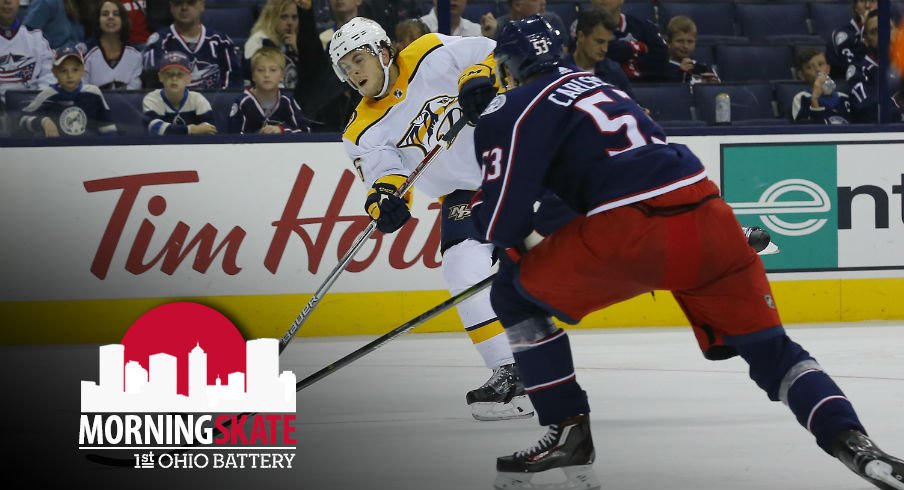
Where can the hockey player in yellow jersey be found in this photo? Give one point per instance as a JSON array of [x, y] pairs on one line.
[[410, 99]]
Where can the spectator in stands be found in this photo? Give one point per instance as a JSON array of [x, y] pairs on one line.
[[68, 107], [138, 21], [681, 35], [460, 25], [175, 109], [863, 79], [594, 31], [58, 20], [815, 106], [111, 63], [277, 26], [519, 9], [26, 59], [846, 45], [321, 95], [215, 62], [341, 12], [263, 108], [407, 31], [638, 45]]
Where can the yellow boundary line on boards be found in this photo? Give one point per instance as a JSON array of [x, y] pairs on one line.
[[105, 321]]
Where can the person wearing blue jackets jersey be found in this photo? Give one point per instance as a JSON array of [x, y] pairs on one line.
[[846, 46], [638, 45], [174, 109], [650, 219], [214, 57], [68, 107]]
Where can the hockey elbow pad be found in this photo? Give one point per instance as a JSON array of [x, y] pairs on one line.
[[385, 206], [476, 88]]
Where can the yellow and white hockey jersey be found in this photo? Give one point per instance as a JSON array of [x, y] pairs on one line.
[[393, 135]]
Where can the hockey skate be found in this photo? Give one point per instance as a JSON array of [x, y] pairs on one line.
[[502, 397], [861, 455], [760, 240], [567, 445]]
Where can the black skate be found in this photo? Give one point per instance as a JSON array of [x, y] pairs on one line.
[[760, 240], [863, 457], [502, 397], [567, 445]]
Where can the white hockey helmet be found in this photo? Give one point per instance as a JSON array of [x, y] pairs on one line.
[[355, 34]]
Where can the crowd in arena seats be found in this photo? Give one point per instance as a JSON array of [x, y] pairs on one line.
[[780, 62]]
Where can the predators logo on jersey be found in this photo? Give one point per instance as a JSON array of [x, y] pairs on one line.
[[437, 116]]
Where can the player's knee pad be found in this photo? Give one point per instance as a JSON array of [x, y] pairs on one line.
[[775, 363], [466, 263], [526, 333]]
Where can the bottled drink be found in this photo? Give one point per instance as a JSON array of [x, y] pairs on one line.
[[828, 86], [723, 108]]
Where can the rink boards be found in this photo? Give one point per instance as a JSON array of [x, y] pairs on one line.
[[94, 236]]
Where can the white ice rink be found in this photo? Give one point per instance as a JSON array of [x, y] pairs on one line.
[[662, 416]]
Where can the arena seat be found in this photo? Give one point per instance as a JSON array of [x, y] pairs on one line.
[[232, 21], [221, 101], [738, 63], [760, 20], [666, 101], [785, 90], [826, 17], [126, 111], [642, 10], [749, 101], [712, 18]]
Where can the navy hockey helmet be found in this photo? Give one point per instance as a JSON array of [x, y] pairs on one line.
[[528, 46]]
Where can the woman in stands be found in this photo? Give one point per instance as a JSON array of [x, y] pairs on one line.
[[111, 63], [277, 26]]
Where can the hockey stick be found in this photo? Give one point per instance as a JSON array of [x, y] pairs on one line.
[[331, 368], [362, 238]]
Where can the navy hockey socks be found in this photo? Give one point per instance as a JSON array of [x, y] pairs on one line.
[[786, 372], [543, 359]]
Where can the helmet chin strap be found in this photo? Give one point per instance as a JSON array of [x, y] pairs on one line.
[[385, 76]]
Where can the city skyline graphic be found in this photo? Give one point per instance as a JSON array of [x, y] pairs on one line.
[[129, 387]]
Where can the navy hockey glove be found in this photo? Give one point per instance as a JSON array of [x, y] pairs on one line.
[[385, 207], [476, 88]]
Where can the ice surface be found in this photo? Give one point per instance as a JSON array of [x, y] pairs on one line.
[[662, 416]]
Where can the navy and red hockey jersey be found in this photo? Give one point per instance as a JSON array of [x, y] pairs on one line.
[[605, 153], [215, 59], [640, 49], [249, 115]]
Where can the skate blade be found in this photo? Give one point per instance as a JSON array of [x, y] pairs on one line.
[[576, 478], [770, 249], [518, 408], [883, 472]]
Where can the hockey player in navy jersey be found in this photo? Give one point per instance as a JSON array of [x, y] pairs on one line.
[[651, 219], [214, 58], [263, 108], [68, 107]]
